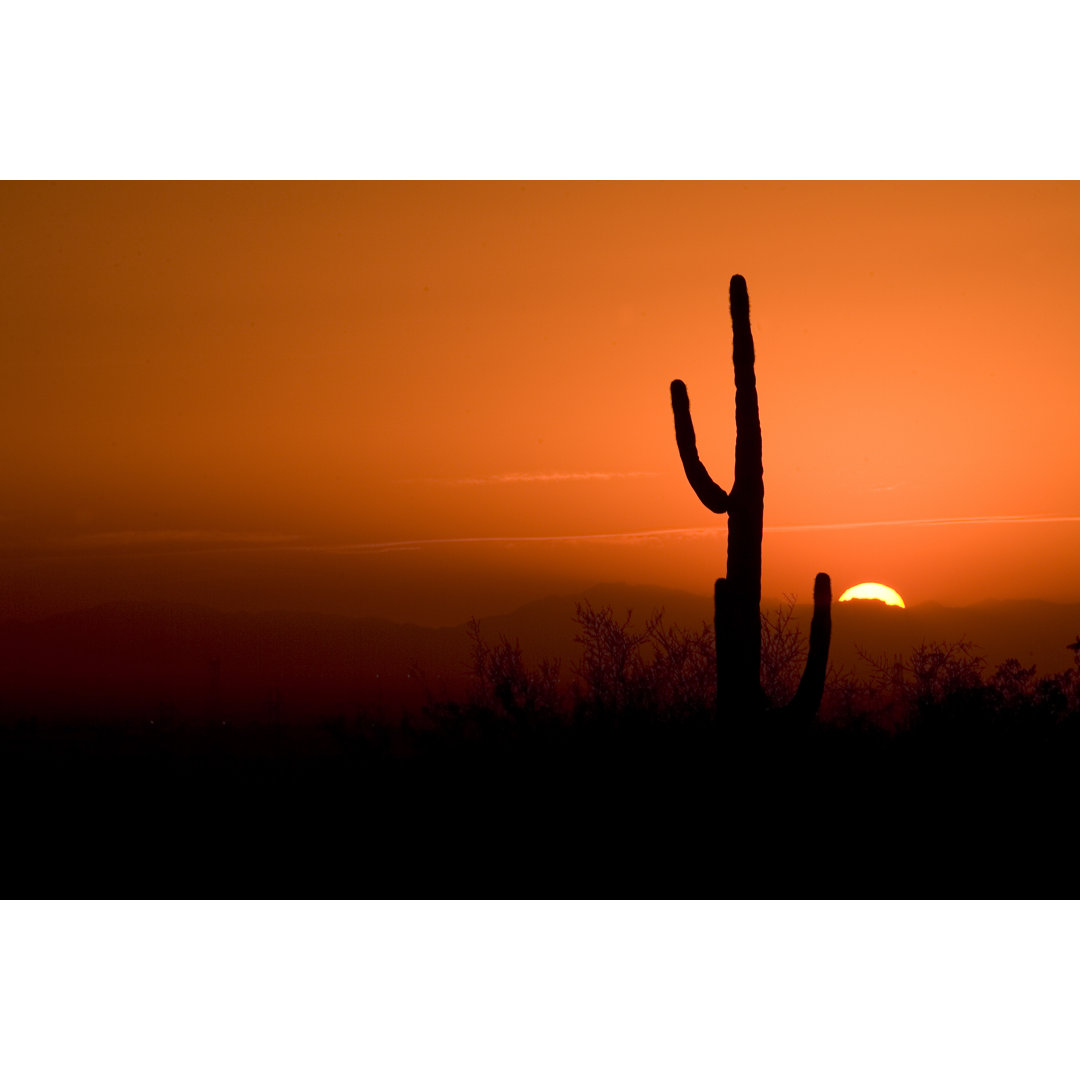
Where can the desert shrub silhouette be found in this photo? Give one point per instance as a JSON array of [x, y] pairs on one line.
[[658, 672], [739, 691], [504, 685]]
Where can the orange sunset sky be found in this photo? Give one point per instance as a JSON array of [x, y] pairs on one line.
[[431, 400]]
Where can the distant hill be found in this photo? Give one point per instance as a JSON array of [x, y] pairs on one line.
[[186, 662], [1035, 632]]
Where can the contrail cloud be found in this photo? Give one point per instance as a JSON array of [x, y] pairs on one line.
[[987, 519], [646, 536], [177, 540]]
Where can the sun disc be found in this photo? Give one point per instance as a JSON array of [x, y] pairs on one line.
[[873, 590]]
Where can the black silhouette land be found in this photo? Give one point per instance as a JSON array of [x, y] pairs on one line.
[[770, 748], [156, 744]]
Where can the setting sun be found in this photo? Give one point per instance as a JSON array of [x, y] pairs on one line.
[[873, 590]]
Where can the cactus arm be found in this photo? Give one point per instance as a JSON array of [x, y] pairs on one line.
[[711, 494], [807, 698]]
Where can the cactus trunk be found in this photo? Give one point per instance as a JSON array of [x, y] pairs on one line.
[[738, 595]]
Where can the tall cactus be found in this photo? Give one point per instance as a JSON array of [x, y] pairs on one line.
[[738, 596]]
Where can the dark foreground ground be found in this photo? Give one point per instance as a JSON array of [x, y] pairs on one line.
[[634, 808]]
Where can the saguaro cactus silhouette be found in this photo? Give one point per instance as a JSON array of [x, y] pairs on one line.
[[738, 596]]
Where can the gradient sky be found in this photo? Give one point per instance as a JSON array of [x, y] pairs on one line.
[[429, 400]]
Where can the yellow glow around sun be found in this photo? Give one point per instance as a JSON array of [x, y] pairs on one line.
[[872, 590]]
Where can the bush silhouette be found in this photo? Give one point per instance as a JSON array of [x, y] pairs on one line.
[[660, 671]]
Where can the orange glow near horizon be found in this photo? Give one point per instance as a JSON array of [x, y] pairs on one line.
[[432, 399], [873, 590]]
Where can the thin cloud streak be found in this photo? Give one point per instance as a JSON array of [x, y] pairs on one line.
[[702, 533], [173, 540], [628, 537], [986, 519], [529, 478]]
